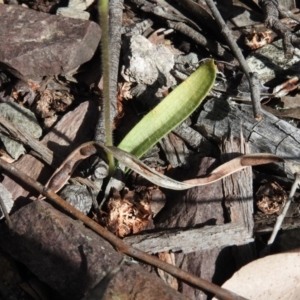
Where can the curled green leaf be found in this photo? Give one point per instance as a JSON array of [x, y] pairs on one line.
[[171, 111]]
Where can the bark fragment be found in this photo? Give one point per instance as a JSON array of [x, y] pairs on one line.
[[72, 130], [72, 259]]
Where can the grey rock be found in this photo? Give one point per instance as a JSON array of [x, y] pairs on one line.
[[35, 44], [78, 196], [13, 148], [77, 4], [73, 13], [147, 63], [269, 62], [23, 119], [187, 64]]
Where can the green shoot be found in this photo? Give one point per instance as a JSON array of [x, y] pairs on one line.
[[171, 111]]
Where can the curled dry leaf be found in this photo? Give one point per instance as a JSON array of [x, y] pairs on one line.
[[63, 173], [5, 156], [271, 197], [125, 91], [272, 277], [286, 87]]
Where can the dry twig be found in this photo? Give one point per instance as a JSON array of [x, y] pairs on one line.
[[118, 243], [271, 11], [281, 217], [251, 76]]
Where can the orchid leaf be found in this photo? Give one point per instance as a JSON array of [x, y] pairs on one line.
[[171, 111]]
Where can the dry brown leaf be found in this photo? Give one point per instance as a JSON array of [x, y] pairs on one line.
[[63, 173], [6, 157], [273, 277], [286, 87], [52, 102], [157, 37]]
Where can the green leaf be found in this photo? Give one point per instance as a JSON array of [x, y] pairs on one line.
[[171, 111]]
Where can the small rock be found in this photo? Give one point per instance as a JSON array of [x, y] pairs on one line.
[[78, 196], [73, 13], [187, 64], [77, 4], [22, 118], [147, 63], [35, 44], [269, 62]]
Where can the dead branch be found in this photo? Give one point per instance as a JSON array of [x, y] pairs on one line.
[[251, 76], [281, 217], [213, 46], [192, 240], [271, 11], [118, 243]]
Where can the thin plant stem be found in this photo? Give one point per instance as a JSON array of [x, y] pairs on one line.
[[103, 11]]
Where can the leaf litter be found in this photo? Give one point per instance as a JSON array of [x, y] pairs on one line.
[[121, 207]]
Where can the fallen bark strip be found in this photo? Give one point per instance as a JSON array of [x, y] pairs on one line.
[[73, 129], [224, 201], [192, 240], [118, 243], [238, 198], [237, 189], [41, 150], [264, 224]]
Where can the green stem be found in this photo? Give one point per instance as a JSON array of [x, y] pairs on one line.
[[103, 11]]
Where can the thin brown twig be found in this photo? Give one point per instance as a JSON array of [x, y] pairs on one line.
[[213, 46], [281, 217], [251, 76], [272, 10], [118, 243]]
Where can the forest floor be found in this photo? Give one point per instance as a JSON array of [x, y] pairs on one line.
[[52, 104]]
